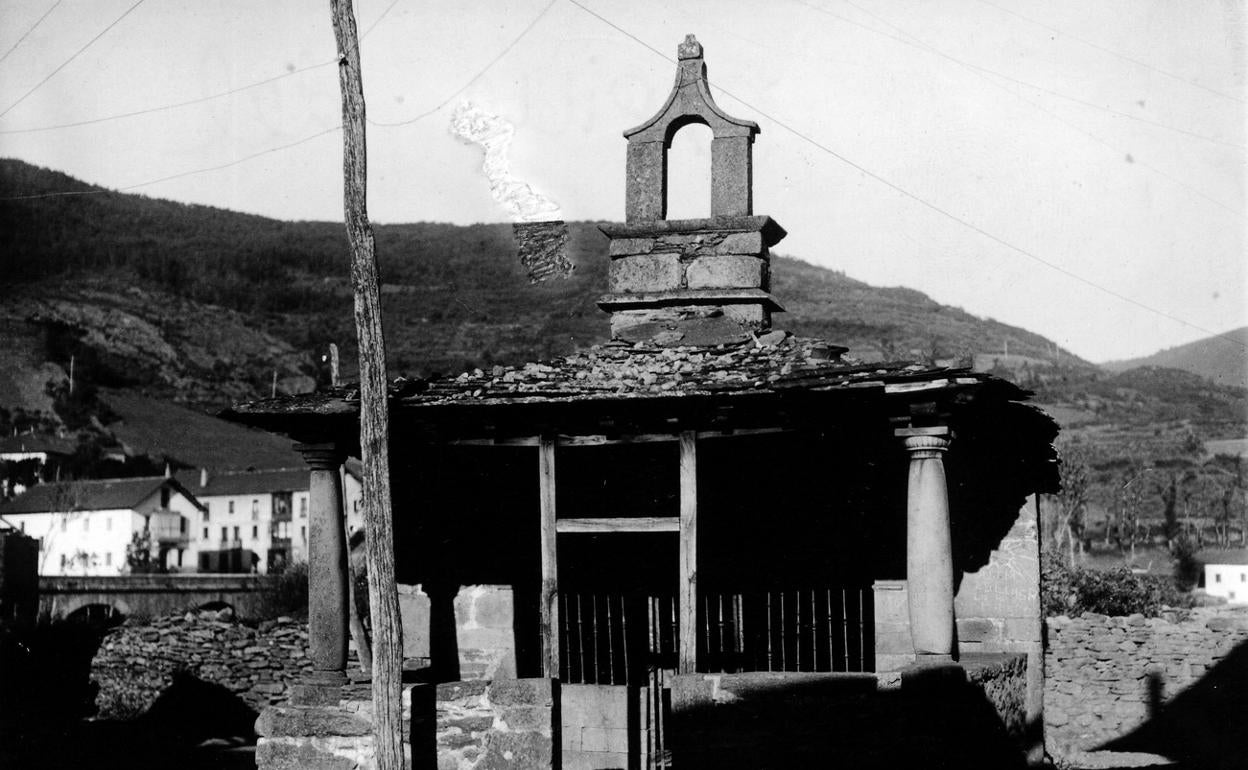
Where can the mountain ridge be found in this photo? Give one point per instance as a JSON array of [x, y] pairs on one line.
[[1221, 358]]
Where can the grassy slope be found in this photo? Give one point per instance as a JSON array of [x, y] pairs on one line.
[[1218, 358]]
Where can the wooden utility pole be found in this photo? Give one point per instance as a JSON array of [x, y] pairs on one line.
[[383, 594]]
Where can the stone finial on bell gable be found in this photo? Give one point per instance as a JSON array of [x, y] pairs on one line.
[[690, 101]]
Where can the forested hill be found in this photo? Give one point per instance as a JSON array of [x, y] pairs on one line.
[[455, 297], [1222, 359]]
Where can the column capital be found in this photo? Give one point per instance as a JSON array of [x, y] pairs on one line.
[[321, 457], [925, 443]]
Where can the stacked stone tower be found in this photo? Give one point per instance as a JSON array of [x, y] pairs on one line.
[[690, 281]]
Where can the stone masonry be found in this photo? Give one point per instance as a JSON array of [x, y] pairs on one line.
[[475, 725], [137, 661], [1099, 670]]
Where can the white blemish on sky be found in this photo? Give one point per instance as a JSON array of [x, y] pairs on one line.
[[522, 203]]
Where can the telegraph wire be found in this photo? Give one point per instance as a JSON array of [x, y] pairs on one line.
[[1114, 53], [75, 55], [172, 106], [182, 174], [38, 21], [377, 21], [198, 100], [1003, 76], [915, 42], [475, 77], [918, 199]]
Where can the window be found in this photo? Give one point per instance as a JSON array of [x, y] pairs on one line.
[[63, 561], [205, 534], [255, 533], [164, 497], [231, 506], [303, 507], [204, 516], [255, 509], [108, 560], [1217, 577], [236, 533], [1243, 576], [182, 525], [303, 534], [225, 533]]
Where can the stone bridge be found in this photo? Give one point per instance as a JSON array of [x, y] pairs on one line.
[[154, 595]]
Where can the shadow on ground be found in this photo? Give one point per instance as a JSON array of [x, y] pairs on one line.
[[1205, 725], [936, 720], [47, 699]]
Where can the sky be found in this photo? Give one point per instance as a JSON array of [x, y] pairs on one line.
[[1073, 168]]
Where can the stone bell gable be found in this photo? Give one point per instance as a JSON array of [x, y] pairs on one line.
[[690, 282]]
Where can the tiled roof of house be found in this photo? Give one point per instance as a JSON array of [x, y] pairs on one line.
[[34, 442], [87, 495], [246, 482]]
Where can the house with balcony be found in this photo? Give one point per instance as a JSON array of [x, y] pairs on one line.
[[256, 520], [84, 527]]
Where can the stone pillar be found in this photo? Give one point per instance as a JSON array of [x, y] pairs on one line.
[[327, 566], [731, 168], [646, 181], [929, 552]]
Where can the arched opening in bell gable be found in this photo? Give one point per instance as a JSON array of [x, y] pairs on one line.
[[689, 171]]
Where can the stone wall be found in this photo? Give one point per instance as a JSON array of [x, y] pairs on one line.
[[1102, 673], [137, 661], [455, 726]]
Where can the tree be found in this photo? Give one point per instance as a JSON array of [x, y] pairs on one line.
[[139, 553], [1072, 500]]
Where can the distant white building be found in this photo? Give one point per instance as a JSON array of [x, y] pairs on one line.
[[255, 521], [1229, 579], [84, 527]]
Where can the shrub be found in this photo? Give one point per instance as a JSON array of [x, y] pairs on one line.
[[1066, 591], [291, 596]]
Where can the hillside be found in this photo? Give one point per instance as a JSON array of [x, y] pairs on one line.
[[151, 299], [212, 302], [1222, 360]]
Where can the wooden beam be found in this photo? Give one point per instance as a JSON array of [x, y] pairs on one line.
[[604, 440], [635, 524], [687, 591], [549, 596]]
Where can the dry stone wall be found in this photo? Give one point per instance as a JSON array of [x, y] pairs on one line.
[[1099, 670], [137, 661]]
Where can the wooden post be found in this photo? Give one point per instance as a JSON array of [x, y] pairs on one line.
[[383, 594], [549, 597], [687, 592]]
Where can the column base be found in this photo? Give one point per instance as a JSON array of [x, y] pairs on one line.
[[319, 688]]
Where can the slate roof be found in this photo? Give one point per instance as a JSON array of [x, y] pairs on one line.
[[774, 362], [88, 495], [246, 482]]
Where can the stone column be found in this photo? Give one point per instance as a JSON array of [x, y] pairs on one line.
[[929, 552], [327, 566]]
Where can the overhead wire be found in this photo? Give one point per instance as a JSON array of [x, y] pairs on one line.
[[917, 198], [180, 175], [32, 28], [915, 42], [1104, 108], [75, 55], [480, 74], [201, 99], [1114, 53]]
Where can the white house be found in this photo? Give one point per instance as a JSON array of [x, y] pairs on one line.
[[255, 520], [27, 459], [84, 527], [1228, 579]]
